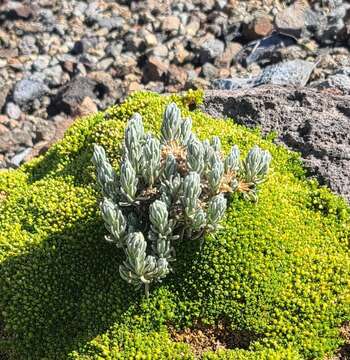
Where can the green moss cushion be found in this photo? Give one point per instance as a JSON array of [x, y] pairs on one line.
[[277, 273]]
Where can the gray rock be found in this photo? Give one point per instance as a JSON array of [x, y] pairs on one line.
[[36, 104], [305, 120], [27, 45], [105, 63], [6, 141], [263, 51], [209, 71], [22, 136], [155, 86], [54, 61], [291, 20], [28, 90], [234, 83], [221, 3], [80, 8], [41, 63], [288, 73], [37, 76], [160, 51], [88, 60], [314, 21], [13, 111], [333, 28], [93, 9], [293, 72], [114, 49], [66, 57], [344, 71], [134, 42], [338, 81], [61, 30], [81, 70], [44, 130], [53, 75], [115, 22], [211, 49], [48, 20], [19, 158]]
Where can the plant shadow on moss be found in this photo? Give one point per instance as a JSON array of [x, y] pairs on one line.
[[64, 291], [67, 291], [79, 167]]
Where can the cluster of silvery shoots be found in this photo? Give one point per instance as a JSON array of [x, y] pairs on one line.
[[168, 189]]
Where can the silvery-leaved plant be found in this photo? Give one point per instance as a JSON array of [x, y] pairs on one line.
[[172, 188]]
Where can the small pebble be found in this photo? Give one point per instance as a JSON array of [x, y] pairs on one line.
[[13, 111]]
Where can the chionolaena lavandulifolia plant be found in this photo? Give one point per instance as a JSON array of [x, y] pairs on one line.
[[171, 188]]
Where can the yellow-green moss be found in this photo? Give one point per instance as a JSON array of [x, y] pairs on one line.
[[279, 270]]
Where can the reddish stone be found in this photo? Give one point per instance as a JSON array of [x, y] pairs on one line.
[[171, 23], [177, 75], [87, 107], [291, 20], [3, 129], [134, 86], [155, 69], [23, 11], [69, 66], [258, 28], [225, 60], [8, 53]]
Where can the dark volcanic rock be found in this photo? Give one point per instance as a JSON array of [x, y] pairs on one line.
[[264, 50], [315, 124], [72, 95]]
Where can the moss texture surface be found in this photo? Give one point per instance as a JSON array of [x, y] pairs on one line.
[[277, 273]]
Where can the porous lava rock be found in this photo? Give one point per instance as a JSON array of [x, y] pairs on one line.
[[313, 123]]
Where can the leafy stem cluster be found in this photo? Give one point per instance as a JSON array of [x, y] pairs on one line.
[[171, 188]]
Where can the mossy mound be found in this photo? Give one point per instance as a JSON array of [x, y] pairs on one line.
[[277, 273]]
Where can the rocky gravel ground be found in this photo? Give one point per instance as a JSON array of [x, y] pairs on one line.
[[60, 59]]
